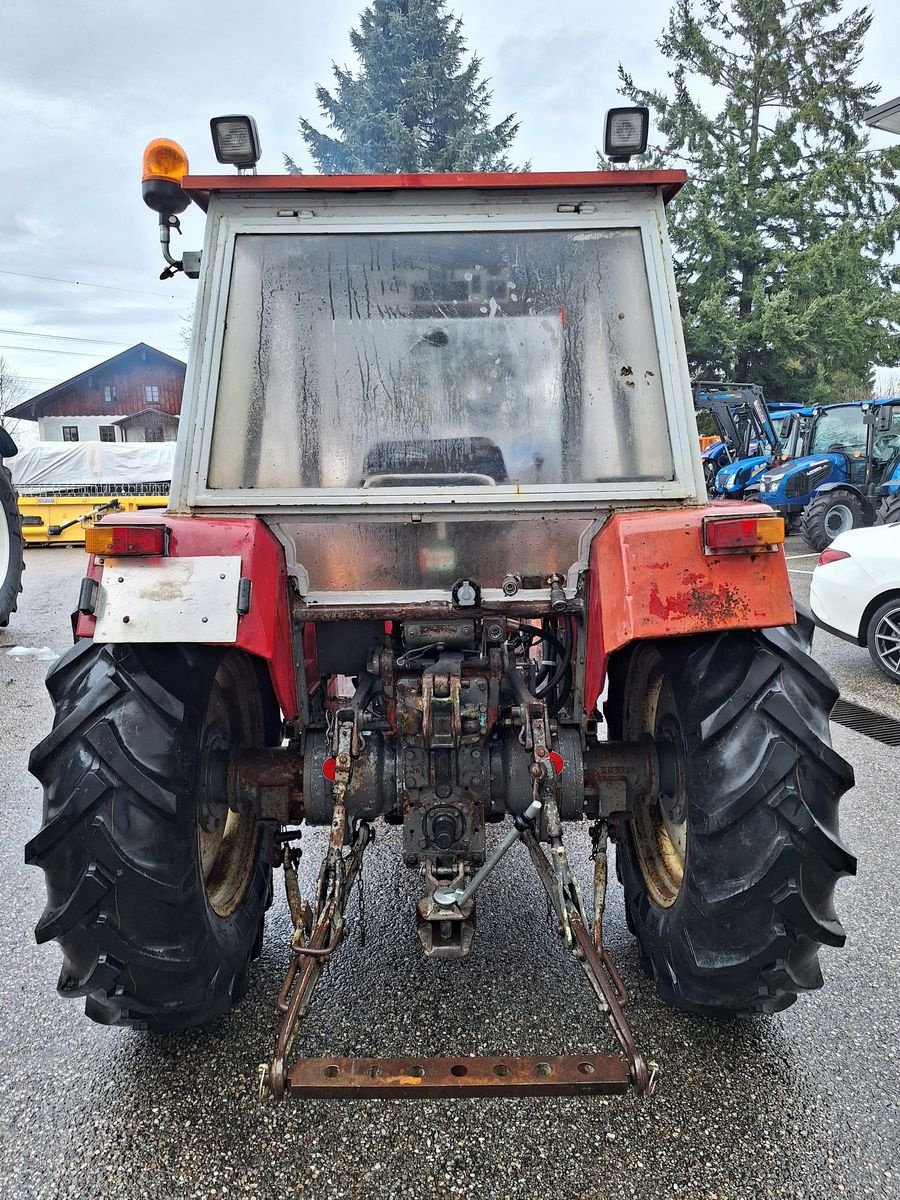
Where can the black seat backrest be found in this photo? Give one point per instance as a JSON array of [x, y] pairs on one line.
[[436, 456]]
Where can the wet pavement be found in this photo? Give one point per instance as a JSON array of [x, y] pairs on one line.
[[801, 1105]]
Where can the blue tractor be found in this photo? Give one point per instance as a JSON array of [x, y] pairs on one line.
[[793, 426], [743, 422], [849, 476]]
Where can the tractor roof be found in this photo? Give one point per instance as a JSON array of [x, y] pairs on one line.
[[201, 187]]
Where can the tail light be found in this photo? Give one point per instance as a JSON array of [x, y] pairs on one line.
[[742, 535], [830, 555], [116, 541]]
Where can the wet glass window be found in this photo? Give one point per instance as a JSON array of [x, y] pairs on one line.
[[839, 429], [496, 360]]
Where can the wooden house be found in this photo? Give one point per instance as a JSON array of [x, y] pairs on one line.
[[133, 397]]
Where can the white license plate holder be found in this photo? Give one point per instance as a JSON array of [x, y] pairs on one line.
[[168, 600]]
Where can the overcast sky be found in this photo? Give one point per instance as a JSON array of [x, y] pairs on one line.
[[84, 84]]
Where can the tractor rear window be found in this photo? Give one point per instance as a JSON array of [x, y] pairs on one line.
[[439, 360]]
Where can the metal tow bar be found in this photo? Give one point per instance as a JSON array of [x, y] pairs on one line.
[[319, 932]]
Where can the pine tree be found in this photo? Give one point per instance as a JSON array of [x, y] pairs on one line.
[[414, 104], [784, 234]]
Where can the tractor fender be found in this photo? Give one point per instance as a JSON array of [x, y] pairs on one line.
[[858, 492], [650, 576], [231, 571], [8, 448]]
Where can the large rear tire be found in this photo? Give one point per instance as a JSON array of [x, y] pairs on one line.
[[12, 560], [156, 892], [889, 510], [829, 514], [729, 878]]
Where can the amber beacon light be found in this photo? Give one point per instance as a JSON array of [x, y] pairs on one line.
[[165, 165]]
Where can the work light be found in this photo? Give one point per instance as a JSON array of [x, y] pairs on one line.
[[626, 132], [236, 141]]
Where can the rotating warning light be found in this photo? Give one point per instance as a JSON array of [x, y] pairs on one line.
[[165, 165], [235, 141], [626, 132]]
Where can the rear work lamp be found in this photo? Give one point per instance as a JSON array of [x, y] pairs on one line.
[[742, 535], [165, 165], [115, 541], [626, 132], [236, 141]]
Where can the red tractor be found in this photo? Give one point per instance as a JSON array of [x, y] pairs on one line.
[[438, 555]]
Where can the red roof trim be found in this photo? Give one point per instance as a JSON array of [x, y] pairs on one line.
[[199, 187]]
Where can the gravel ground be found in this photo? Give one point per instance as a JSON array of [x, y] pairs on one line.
[[801, 1105]]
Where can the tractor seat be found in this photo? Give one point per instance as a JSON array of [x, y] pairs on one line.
[[440, 462]]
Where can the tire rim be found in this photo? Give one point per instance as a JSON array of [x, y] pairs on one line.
[[5, 546], [838, 519], [228, 840], [887, 640], [659, 827]]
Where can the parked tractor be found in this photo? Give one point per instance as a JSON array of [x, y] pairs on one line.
[[12, 561], [737, 480], [438, 557], [849, 477], [743, 421]]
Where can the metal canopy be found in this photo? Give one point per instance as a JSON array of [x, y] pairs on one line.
[[200, 187]]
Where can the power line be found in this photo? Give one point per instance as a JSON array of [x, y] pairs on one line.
[[64, 337], [67, 337], [48, 350], [107, 287]]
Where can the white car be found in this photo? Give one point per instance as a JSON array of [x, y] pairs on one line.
[[855, 592]]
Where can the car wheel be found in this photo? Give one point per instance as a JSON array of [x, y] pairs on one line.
[[883, 638]]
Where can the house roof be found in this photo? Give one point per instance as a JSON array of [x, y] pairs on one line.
[[31, 409], [138, 417], [886, 116]]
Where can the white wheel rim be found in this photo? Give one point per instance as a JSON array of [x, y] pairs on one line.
[[5, 543], [838, 519]]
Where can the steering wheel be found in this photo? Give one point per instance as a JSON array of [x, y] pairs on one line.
[[837, 448]]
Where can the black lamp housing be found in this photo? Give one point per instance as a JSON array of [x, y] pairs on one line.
[[164, 196], [235, 141], [626, 132]]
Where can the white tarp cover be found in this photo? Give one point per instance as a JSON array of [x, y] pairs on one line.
[[84, 464]]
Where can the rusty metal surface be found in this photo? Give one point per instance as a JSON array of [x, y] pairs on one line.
[[267, 782], [429, 1078], [427, 610], [319, 931], [596, 962]]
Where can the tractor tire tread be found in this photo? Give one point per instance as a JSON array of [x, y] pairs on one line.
[[125, 897], [764, 851], [812, 519]]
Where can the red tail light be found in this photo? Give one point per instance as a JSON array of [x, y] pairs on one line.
[[121, 540], [830, 555], [747, 535]]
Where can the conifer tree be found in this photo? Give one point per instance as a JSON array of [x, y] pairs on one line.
[[784, 234], [413, 104]]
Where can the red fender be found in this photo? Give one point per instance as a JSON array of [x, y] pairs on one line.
[[650, 577], [266, 629]]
